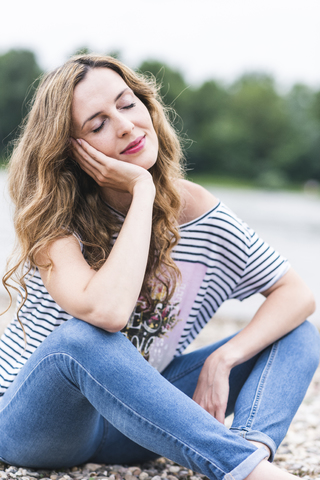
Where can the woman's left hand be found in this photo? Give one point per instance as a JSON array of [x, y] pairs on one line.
[[212, 389], [288, 303]]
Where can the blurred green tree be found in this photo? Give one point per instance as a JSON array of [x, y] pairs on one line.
[[303, 105], [18, 78], [260, 113], [173, 89], [247, 130]]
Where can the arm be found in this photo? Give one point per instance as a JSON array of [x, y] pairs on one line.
[[107, 297], [288, 303]]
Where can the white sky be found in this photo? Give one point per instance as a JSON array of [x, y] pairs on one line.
[[203, 38]]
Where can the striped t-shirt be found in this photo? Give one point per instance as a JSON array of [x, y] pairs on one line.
[[219, 257]]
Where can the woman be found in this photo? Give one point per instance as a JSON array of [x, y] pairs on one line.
[[137, 259]]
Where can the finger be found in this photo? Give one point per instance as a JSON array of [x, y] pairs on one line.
[[92, 153], [91, 170], [84, 162], [220, 415], [82, 154]]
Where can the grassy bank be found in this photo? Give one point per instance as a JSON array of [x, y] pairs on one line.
[[210, 179]]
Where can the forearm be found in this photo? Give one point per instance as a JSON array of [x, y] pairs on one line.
[[112, 292], [285, 307]]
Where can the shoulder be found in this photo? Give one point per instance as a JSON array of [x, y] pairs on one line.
[[195, 200]]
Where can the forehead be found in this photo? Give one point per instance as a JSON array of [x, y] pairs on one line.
[[99, 84]]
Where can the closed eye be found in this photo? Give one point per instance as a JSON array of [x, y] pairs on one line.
[[99, 128], [128, 106]]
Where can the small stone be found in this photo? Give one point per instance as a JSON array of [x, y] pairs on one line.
[[91, 467], [156, 477], [174, 469], [116, 468], [112, 477], [128, 476], [54, 476], [135, 470], [143, 476], [151, 472]]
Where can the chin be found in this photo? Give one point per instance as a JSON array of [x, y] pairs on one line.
[[146, 163]]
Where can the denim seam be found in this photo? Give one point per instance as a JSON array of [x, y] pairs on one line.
[[69, 385], [4, 461], [185, 372], [104, 436], [72, 387], [126, 406], [261, 385]]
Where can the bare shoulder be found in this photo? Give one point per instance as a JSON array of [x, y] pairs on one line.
[[196, 201], [63, 253], [59, 247]]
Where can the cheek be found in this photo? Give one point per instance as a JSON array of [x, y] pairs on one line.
[[104, 144]]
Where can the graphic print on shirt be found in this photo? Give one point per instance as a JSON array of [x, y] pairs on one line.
[[144, 326], [156, 334]]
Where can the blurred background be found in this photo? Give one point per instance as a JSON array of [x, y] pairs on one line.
[[243, 77]]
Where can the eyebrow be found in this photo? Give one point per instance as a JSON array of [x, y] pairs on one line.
[[99, 113]]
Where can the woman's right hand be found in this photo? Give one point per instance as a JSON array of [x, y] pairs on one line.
[[107, 171]]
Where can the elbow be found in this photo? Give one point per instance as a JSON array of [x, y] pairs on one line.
[[309, 304], [112, 321], [312, 304]]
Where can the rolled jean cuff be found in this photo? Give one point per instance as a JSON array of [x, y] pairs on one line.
[[256, 436], [247, 466]]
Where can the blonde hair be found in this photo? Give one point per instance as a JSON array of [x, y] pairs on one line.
[[54, 197]]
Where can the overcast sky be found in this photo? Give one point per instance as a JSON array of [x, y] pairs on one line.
[[203, 38]]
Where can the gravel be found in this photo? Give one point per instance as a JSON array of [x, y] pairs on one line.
[[298, 454]]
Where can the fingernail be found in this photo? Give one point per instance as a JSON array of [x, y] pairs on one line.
[[79, 141]]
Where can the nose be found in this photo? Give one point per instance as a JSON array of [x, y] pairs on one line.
[[123, 125]]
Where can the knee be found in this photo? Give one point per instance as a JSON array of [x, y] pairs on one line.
[[307, 342], [76, 336]]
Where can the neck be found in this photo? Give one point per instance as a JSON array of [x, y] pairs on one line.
[[117, 199]]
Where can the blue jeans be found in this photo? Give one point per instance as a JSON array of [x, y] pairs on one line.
[[88, 395]]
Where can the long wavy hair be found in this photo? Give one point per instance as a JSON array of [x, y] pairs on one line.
[[53, 197]]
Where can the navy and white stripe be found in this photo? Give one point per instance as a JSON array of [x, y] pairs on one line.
[[40, 315], [237, 264]]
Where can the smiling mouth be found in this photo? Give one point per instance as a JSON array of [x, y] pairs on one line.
[[135, 146]]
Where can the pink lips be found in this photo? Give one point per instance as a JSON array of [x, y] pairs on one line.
[[135, 146]]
